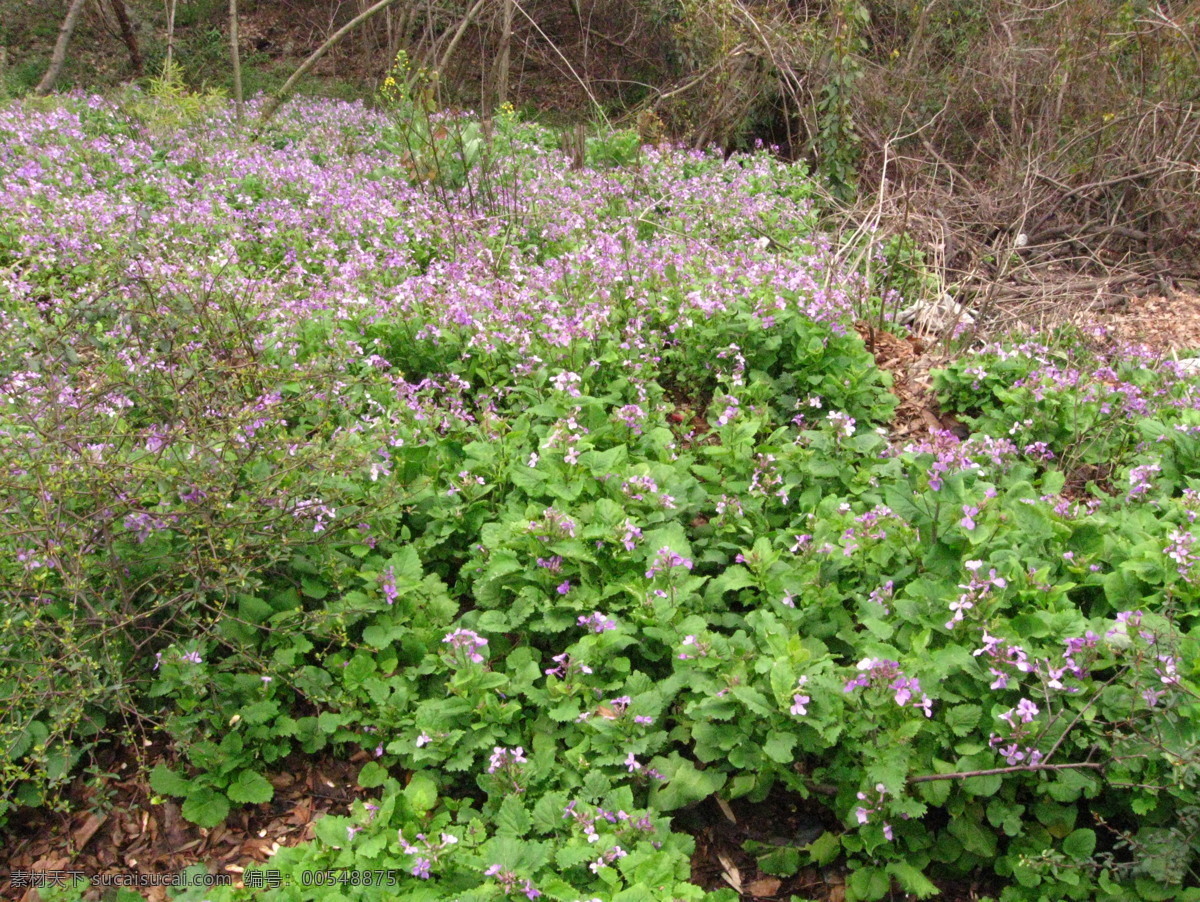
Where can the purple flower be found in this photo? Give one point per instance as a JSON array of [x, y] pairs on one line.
[[564, 587], [800, 702], [505, 759], [665, 560], [466, 642], [969, 513], [597, 622], [388, 583]]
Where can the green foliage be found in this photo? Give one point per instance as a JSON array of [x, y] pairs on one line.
[[570, 577], [169, 104]]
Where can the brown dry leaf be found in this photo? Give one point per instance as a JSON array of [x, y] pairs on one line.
[[302, 813], [87, 830], [730, 872], [764, 886], [726, 810]]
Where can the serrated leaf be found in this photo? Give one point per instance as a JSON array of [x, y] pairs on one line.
[[529, 480], [911, 880], [406, 565], [688, 785], [333, 830], [492, 622], [259, 712], [377, 636], [824, 848], [732, 579], [205, 807], [869, 883], [512, 818], [329, 721], [962, 719], [250, 788], [168, 782]]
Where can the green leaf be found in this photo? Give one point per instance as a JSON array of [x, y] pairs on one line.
[[333, 830], [205, 807], [512, 818], [168, 782], [824, 848], [782, 862], [911, 880], [527, 479], [962, 719], [259, 712], [251, 788], [372, 774], [377, 635], [974, 837], [314, 588], [731, 579], [778, 747], [329, 721], [421, 792], [868, 883], [407, 566], [686, 786], [492, 622], [1080, 844]]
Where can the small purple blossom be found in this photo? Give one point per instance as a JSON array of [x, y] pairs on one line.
[[466, 643], [597, 622]]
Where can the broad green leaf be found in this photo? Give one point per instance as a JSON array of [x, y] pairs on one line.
[[421, 792], [169, 782], [1080, 844], [251, 788], [205, 807], [911, 880], [686, 786], [372, 774]]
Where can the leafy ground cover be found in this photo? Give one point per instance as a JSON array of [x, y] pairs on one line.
[[566, 495]]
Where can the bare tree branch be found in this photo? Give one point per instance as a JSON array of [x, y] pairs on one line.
[[284, 92], [46, 85]]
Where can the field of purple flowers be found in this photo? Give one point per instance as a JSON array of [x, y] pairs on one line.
[[568, 494]]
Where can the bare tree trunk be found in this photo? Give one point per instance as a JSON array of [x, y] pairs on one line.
[[127, 35], [235, 52], [171, 4], [503, 57], [284, 92], [46, 85]]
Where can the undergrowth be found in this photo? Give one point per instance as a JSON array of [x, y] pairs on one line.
[[567, 495]]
